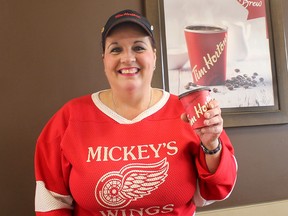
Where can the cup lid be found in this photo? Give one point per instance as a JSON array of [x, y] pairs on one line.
[[204, 88]]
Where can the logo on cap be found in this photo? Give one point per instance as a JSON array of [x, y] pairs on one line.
[[127, 14]]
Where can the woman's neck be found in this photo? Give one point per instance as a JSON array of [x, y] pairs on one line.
[[130, 105]]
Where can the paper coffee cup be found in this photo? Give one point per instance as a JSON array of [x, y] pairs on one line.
[[195, 103], [207, 50]]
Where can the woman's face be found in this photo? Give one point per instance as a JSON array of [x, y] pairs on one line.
[[129, 58]]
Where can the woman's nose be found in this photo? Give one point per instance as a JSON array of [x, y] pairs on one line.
[[128, 58]]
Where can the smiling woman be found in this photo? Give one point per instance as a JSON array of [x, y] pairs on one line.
[[129, 62], [126, 149]]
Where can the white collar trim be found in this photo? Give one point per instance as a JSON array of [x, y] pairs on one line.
[[118, 118]]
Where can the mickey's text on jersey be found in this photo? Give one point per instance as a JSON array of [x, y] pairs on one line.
[[125, 153]]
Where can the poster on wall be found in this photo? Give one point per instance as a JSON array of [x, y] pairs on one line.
[[221, 44]]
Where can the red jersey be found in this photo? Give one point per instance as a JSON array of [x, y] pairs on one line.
[[90, 161]]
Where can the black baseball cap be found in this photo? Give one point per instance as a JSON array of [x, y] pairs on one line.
[[126, 16]]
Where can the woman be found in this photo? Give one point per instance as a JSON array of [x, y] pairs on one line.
[[126, 150]]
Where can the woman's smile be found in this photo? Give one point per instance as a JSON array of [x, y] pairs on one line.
[[129, 71]]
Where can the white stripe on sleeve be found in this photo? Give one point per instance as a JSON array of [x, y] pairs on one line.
[[46, 200]]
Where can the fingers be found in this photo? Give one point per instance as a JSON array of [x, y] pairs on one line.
[[213, 123], [212, 116], [184, 117], [212, 129], [213, 110], [213, 119]]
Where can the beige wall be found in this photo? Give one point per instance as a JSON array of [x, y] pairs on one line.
[[49, 53]]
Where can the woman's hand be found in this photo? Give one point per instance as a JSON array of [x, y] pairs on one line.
[[213, 125]]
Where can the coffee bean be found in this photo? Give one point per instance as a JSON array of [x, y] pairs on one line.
[[242, 80], [255, 74], [190, 85], [231, 88], [238, 81]]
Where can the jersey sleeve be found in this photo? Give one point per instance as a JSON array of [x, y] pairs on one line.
[[52, 196], [216, 186]]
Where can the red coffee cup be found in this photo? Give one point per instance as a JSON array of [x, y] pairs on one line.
[[207, 50], [195, 103]]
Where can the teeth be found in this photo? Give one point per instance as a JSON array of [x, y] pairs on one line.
[[129, 71]]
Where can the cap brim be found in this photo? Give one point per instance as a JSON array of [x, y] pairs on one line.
[[127, 20]]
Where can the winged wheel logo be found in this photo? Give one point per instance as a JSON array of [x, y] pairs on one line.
[[117, 189]]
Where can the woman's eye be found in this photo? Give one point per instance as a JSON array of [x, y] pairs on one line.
[[139, 48], [116, 50]]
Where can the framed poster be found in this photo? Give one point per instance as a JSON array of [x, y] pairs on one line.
[[251, 93]]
